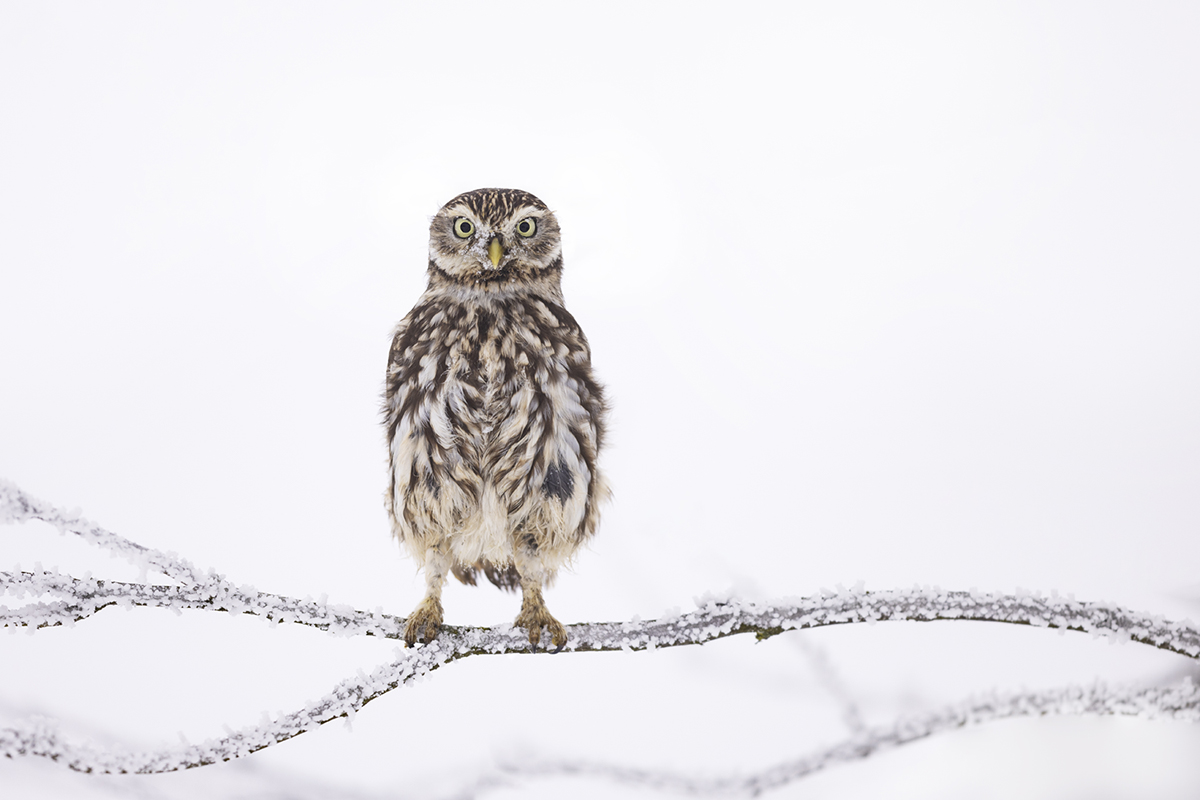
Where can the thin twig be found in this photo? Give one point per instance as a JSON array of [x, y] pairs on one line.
[[1179, 702]]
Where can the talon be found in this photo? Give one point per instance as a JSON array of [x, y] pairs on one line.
[[558, 634], [425, 622], [534, 618]]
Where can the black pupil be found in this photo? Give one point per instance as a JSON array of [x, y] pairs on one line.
[[525, 226], [464, 226]]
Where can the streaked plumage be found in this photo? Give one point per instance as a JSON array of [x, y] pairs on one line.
[[494, 421]]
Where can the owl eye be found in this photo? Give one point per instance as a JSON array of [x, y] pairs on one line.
[[527, 227], [463, 227]]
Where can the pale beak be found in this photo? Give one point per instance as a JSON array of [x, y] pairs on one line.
[[495, 252]]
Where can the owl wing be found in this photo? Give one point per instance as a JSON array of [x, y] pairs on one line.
[[546, 448], [398, 393], [426, 484]]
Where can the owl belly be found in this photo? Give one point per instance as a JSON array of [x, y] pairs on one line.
[[533, 483], [491, 459]]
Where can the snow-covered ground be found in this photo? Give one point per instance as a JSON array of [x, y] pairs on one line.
[[904, 295]]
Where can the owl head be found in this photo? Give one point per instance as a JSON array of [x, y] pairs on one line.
[[494, 237]]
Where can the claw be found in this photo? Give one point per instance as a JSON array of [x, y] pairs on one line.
[[425, 622], [534, 618]]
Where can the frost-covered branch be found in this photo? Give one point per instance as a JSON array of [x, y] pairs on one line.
[[17, 506], [43, 739], [80, 598], [714, 619], [77, 599], [1180, 702], [83, 597]]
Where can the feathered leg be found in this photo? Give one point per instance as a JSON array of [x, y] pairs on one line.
[[426, 619], [534, 616]]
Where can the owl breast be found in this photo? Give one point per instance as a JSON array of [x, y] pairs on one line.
[[494, 424]]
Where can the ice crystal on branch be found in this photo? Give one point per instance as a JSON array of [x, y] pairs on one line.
[[1180, 702], [717, 616]]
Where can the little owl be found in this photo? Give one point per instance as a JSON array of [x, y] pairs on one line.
[[493, 418]]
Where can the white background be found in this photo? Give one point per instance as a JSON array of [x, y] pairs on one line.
[[893, 293]]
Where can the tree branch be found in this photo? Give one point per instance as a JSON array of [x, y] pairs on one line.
[[79, 599], [1180, 702]]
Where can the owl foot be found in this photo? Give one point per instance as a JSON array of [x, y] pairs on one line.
[[424, 623], [534, 617]]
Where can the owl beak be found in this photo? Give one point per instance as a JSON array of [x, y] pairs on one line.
[[495, 251]]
